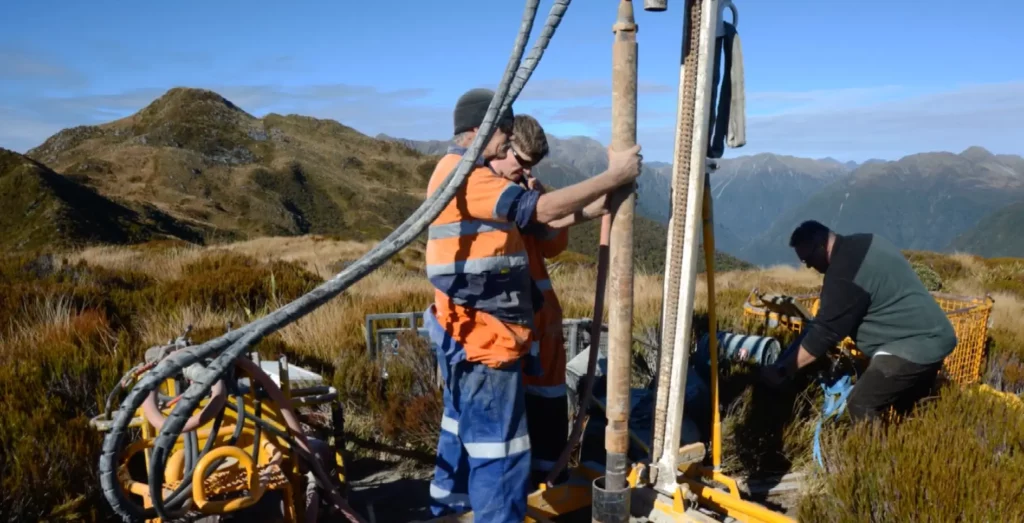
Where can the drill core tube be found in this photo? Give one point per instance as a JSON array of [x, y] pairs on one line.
[[620, 303]]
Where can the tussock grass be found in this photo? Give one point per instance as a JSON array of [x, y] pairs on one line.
[[72, 323], [960, 458]]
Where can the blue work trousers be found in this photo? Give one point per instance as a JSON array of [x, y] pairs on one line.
[[483, 452], [547, 414]]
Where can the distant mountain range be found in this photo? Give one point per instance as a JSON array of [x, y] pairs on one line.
[[193, 165], [936, 201]]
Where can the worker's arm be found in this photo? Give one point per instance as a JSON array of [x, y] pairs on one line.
[[843, 306], [594, 209], [623, 168], [552, 240]]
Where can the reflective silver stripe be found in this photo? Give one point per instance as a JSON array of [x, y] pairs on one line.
[[449, 425], [498, 449], [544, 285], [478, 265], [535, 348], [541, 464], [445, 496], [462, 228], [547, 391]]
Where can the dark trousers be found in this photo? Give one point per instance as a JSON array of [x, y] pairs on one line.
[[890, 381]]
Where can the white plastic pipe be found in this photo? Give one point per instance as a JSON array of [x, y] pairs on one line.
[[668, 462]]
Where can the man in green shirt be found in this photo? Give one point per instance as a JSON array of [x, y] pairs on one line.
[[871, 294]]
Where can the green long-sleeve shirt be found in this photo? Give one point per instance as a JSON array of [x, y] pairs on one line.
[[872, 295]]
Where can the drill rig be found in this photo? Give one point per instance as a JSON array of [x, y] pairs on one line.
[[218, 430], [674, 483]]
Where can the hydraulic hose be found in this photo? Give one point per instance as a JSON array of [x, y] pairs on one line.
[[233, 343], [190, 399]]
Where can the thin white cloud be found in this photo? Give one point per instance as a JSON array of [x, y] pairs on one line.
[[851, 124], [21, 67], [368, 109], [858, 124], [563, 89]]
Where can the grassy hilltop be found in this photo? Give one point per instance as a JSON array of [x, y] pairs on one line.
[[71, 322]]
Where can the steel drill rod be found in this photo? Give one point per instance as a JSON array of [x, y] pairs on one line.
[[620, 303]]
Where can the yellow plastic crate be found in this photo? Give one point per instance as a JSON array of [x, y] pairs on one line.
[[969, 316]]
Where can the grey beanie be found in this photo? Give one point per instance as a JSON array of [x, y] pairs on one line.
[[472, 107]]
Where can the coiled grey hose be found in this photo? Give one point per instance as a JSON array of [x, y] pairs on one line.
[[235, 342]]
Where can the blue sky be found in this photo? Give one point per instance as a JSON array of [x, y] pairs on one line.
[[850, 79]]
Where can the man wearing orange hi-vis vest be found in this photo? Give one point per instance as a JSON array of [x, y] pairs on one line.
[[547, 407], [482, 321]]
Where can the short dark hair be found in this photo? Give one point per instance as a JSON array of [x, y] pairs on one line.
[[810, 232]]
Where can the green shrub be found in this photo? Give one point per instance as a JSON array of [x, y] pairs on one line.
[[228, 281], [928, 276], [946, 267]]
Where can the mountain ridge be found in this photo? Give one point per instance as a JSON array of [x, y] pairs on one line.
[[195, 157], [209, 169]]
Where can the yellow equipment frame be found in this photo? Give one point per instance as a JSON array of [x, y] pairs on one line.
[[276, 467], [969, 316]]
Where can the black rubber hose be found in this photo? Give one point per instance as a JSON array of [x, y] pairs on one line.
[[173, 507], [243, 337], [176, 501], [118, 389], [293, 311], [257, 410]]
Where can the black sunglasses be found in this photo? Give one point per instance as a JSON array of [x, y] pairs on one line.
[[522, 162]]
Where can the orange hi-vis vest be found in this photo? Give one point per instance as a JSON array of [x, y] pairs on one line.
[[478, 265], [547, 243]]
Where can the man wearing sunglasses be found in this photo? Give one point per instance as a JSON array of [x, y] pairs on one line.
[[481, 323], [547, 408]]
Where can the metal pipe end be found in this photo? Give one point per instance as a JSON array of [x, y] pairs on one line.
[[610, 506], [655, 5], [625, 14]]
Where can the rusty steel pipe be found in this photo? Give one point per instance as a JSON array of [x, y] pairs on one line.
[[620, 302], [595, 345]]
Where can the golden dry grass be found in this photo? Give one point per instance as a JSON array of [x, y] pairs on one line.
[[94, 315], [165, 264]]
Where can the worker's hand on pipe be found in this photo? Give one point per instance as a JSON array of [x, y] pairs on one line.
[[625, 165]]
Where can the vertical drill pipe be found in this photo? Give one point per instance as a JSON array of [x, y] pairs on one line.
[[677, 221], [697, 148], [620, 303], [709, 264]]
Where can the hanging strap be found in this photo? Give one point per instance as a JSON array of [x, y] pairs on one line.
[[728, 119]]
